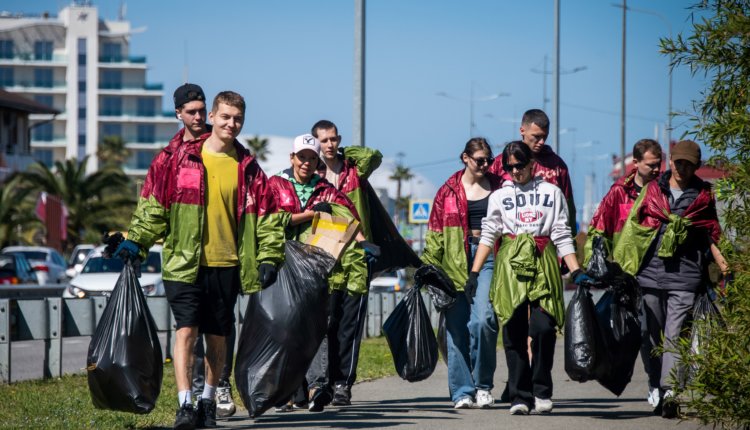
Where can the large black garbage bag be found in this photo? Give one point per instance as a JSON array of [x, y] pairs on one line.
[[411, 339], [706, 317], [439, 286], [395, 253], [617, 314], [598, 267], [283, 327], [584, 346], [124, 361]]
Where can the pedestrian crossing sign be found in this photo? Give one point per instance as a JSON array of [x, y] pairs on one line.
[[419, 211]]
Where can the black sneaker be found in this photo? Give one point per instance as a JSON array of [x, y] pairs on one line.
[[185, 419], [205, 416], [670, 408], [342, 396], [319, 398]]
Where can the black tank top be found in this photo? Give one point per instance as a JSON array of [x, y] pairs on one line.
[[477, 211]]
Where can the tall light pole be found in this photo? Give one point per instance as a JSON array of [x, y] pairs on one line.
[[471, 100], [358, 123], [622, 82]]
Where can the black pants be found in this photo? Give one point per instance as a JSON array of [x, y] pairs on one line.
[[528, 380], [348, 314]]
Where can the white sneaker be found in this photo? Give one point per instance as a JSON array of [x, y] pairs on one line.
[[543, 406], [465, 403], [519, 409], [224, 403], [653, 397], [484, 399]]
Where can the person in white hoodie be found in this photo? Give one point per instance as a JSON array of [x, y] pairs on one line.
[[530, 216]]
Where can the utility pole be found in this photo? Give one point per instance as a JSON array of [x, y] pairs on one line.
[[358, 123], [622, 106], [556, 86]]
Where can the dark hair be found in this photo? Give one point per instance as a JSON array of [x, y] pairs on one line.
[[323, 124], [645, 145], [229, 98], [536, 116], [519, 150], [476, 144]]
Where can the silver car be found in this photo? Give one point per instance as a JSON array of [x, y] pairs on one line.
[[47, 263]]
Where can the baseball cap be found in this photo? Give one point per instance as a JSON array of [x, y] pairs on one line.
[[187, 93], [306, 141], [686, 150]]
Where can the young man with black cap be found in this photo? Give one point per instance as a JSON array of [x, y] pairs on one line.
[[669, 236], [200, 197]]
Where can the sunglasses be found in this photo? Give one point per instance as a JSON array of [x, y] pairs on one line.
[[518, 166], [481, 161]]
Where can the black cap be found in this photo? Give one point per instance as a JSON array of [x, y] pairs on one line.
[[188, 93]]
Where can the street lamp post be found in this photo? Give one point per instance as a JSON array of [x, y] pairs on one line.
[[471, 101]]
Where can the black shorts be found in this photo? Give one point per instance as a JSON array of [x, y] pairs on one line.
[[208, 303]]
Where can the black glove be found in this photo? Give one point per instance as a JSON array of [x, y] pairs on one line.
[[266, 274], [323, 207], [372, 251], [470, 288]]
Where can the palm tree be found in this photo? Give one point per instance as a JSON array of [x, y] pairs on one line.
[[112, 152], [400, 174], [16, 213], [258, 147], [95, 203]]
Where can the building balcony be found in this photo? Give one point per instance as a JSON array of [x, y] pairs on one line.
[[128, 89], [56, 142], [137, 117], [29, 87], [34, 61], [122, 61], [39, 117], [132, 144]]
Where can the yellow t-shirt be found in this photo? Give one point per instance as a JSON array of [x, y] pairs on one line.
[[219, 247]]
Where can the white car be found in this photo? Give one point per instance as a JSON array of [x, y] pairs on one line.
[[99, 275], [389, 281], [77, 257], [47, 263]]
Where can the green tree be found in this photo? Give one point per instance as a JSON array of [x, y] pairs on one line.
[[16, 213], [97, 202], [399, 175], [719, 49], [112, 152], [258, 147]]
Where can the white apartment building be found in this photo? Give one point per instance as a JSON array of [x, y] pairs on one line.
[[81, 66]]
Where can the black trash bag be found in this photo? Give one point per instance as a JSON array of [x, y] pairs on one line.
[[408, 331], [617, 314], [598, 267], [584, 346], [706, 317], [439, 286], [395, 253], [442, 338], [284, 326], [124, 362]]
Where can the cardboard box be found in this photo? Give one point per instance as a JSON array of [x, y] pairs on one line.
[[332, 233]]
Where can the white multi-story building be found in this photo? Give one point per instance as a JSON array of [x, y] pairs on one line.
[[81, 66]]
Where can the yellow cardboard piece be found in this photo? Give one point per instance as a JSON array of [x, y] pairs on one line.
[[332, 233]]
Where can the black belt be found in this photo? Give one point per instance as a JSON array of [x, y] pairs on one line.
[[474, 240]]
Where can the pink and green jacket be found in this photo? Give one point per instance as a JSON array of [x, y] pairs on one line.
[[281, 201], [448, 228], [650, 211], [172, 207]]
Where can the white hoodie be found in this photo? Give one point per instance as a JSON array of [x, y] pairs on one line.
[[538, 208]]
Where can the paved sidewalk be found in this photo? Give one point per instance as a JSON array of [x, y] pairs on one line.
[[393, 402]]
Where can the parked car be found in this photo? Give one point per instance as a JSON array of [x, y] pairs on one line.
[[15, 269], [389, 281], [99, 275], [47, 263], [75, 262]]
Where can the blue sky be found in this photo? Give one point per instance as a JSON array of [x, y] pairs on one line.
[[293, 62]]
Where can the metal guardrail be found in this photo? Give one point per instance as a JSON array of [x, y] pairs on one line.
[[53, 318]]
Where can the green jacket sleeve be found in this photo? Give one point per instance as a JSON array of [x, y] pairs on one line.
[[366, 159], [271, 236], [149, 224]]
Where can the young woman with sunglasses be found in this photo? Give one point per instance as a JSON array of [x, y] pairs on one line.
[[531, 217], [451, 243]]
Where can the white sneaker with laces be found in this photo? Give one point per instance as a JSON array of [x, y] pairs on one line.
[[653, 397], [465, 403], [484, 399], [519, 409], [224, 403], [543, 406]]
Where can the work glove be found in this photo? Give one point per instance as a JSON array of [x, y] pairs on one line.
[[372, 251], [266, 274], [470, 288], [323, 207], [128, 250], [580, 277]]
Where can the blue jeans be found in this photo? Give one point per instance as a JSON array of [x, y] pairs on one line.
[[472, 338]]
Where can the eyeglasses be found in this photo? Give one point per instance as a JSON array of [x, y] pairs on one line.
[[481, 161], [518, 166], [333, 139]]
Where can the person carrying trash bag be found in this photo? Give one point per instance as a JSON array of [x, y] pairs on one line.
[[531, 216], [294, 196], [451, 244], [124, 362], [671, 233], [200, 197]]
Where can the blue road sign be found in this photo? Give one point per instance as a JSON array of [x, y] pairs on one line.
[[419, 211]]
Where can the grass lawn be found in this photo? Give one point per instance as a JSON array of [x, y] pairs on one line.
[[65, 402]]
